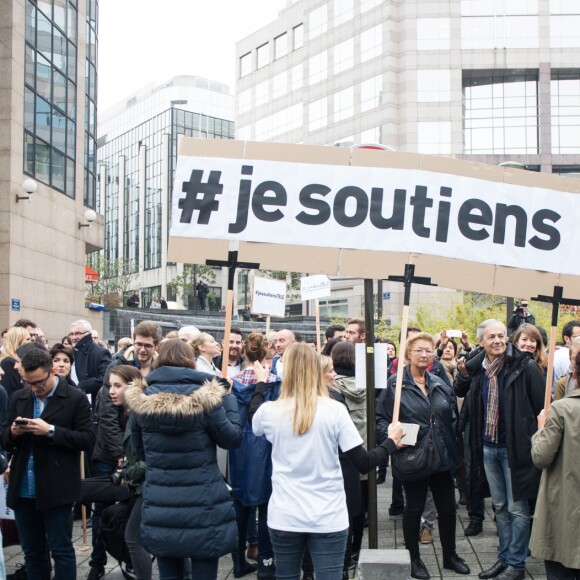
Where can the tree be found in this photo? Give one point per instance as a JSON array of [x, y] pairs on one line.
[[116, 277], [184, 284], [292, 281]]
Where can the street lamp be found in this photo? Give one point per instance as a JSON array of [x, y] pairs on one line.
[[29, 186], [90, 216]]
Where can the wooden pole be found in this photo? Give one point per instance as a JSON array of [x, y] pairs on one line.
[[401, 363], [550, 374], [267, 325], [228, 325], [317, 311]]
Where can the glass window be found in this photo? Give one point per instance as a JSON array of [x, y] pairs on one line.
[[28, 154], [60, 13], [298, 34], [71, 103], [29, 110], [71, 30], [371, 43], [343, 56], [59, 91], [246, 64], [58, 130], [370, 93], [44, 36], [318, 21], [262, 93], [42, 161], [317, 67], [564, 31], [46, 7], [500, 112], [57, 170], [343, 104], [280, 46], [279, 85], [565, 107], [30, 23], [368, 4], [30, 57], [564, 7], [72, 62], [433, 86], [433, 34], [499, 7], [59, 46], [343, 11], [43, 119], [244, 101], [296, 75], [263, 54], [371, 135], [71, 139], [317, 114], [434, 137]]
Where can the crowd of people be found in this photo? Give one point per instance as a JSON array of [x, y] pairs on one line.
[[161, 412]]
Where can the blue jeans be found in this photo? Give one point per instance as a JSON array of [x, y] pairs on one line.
[[512, 517], [35, 528], [326, 550], [244, 516], [2, 565], [174, 569]]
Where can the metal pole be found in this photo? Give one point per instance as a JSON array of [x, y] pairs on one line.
[[371, 436]]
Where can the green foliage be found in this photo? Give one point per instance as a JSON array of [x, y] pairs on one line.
[[116, 277], [292, 280], [184, 284]]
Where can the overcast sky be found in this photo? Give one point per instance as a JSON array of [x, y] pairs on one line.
[[143, 41]]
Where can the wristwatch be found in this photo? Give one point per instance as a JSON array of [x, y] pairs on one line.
[[50, 433]]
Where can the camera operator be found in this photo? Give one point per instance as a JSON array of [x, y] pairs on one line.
[[520, 316]]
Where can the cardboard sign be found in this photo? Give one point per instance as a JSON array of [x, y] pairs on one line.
[[269, 297], [360, 366], [312, 287], [365, 213]]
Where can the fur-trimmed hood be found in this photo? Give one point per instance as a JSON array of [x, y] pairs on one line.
[[175, 392]]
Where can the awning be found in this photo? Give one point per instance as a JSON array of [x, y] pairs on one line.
[[90, 274]]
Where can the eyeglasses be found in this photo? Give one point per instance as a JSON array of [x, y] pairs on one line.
[[421, 351], [71, 334], [145, 346], [38, 384]]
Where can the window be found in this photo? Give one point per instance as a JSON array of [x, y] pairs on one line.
[[245, 64], [565, 102], [433, 86], [564, 7], [564, 31], [370, 93], [279, 85], [343, 11], [263, 55], [500, 7], [500, 111], [371, 135], [434, 137], [244, 101], [433, 34], [317, 114], [371, 43], [296, 75], [317, 68], [317, 21], [343, 104], [298, 35], [343, 56], [280, 46], [368, 4], [262, 93], [279, 123]]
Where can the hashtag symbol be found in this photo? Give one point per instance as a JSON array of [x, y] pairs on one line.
[[207, 202]]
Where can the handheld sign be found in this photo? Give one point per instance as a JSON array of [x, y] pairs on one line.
[[269, 297]]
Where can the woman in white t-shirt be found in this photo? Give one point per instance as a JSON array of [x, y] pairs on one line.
[[306, 427]]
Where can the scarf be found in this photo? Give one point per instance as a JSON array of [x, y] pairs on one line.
[[492, 369]]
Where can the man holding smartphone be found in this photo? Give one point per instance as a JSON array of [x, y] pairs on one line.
[[48, 425]]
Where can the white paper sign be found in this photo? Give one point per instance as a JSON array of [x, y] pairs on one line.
[[410, 432], [312, 287], [375, 208], [5, 512], [269, 297], [360, 369]]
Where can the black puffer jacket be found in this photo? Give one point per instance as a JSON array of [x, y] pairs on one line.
[[91, 362], [416, 408], [523, 391]]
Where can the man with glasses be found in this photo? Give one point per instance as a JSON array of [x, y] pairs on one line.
[[90, 359], [108, 453], [506, 391], [48, 425]]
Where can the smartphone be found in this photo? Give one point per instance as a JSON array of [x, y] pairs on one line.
[[21, 421], [454, 333]]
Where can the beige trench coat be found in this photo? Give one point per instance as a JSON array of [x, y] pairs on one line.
[[556, 450]]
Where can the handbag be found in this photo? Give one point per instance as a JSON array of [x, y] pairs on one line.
[[102, 489], [419, 461]]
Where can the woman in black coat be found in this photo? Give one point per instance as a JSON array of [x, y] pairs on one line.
[[180, 417]]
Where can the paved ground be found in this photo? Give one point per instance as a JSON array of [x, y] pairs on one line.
[[479, 552]]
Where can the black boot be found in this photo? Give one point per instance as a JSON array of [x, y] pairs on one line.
[[266, 568], [241, 565]]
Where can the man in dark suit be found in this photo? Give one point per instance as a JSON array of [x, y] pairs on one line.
[[48, 425]]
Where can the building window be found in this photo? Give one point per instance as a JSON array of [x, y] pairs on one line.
[[280, 46], [296, 75], [50, 93], [565, 99], [564, 7], [433, 86], [371, 43], [318, 21], [370, 93], [371, 136], [90, 192], [343, 11], [564, 31], [298, 35], [263, 54], [500, 111], [280, 85], [434, 137], [499, 24], [368, 4], [317, 114], [343, 56], [244, 101], [317, 67], [433, 34], [245, 64], [343, 104], [261, 93]]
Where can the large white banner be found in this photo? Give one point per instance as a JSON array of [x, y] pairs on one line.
[[374, 208], [312, 287], [269, 297]]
